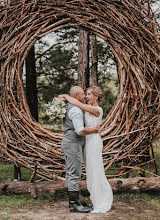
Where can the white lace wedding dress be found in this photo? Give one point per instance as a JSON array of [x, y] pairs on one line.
[[99, 188]]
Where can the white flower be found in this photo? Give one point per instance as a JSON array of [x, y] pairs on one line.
[[56, 111], [63, 110], [55, 108], [62, 116], [48, 112]]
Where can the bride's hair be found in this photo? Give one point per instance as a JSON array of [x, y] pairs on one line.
[[98, 92]]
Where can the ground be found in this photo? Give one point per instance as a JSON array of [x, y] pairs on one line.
[[58, 210], [126, 206]]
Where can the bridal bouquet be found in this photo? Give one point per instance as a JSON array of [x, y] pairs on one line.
[[56, 110]]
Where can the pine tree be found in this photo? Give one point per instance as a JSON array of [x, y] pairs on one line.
[[83, 59], [31, 83], [57, 68], [94, 60]]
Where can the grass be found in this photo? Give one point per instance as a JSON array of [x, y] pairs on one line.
[[22, 201], [11, 203], [140, 205], [144, 205], [5, 217], [137, 205], [138, 196], [7, 172]]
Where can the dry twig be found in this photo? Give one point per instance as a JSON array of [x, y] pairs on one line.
[[131, 32]]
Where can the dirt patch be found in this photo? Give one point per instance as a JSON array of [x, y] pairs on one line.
[[121, 210]]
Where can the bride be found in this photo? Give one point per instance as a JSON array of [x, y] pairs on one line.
[[99, 188]]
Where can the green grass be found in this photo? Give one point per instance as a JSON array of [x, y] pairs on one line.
[[11, 204], [151, 200], [23, 201], [146, 206], [4, 218], [7, 172], [138, 196], [143, 205]]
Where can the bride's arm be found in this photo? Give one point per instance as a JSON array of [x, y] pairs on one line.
[[92, 109], [59, 100]]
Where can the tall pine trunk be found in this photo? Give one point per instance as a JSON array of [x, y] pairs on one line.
[[31, 83], [94, 58], [83, 59]]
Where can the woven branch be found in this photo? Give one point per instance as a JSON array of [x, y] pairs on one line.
[[131, 126]]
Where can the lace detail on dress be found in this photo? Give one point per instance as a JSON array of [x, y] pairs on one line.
[[91, 120], [100, 190]]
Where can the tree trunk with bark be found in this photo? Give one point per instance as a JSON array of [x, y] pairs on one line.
[[136, 184], [94, 58], [31, 83], [83, 59]]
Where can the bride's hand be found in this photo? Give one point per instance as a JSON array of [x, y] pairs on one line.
[[59, 100]]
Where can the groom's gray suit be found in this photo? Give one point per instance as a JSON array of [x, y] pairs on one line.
[[72, 145]]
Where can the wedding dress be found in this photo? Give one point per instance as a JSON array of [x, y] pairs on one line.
[[98, 186]]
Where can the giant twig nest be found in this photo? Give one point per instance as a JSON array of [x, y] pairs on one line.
[[131, 126]]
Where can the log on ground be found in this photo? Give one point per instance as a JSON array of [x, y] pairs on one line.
[[136, 184]]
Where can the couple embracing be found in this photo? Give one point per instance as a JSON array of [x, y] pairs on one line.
[[76, 137]]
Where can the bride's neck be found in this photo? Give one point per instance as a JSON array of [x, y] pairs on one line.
[[94, 104]]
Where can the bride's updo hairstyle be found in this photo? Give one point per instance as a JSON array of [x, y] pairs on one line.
[[98, 92]]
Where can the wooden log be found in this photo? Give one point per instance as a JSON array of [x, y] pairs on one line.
[[50, 187], [136, 184]]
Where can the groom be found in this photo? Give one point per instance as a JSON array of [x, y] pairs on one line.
[[72, 144]]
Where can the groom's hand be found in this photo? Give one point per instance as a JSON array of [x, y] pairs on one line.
[[96, 129], [87, 131]]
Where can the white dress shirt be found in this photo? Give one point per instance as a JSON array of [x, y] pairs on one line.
[[76, 115]]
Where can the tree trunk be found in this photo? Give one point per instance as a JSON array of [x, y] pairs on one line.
[[31, 84], [136, 184], [83, 59], [17, 173], [94, 58]]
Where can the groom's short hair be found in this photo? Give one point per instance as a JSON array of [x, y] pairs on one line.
[[75, 90]]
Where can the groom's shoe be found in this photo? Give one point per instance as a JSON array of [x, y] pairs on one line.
[[68, 196], [75, 204]]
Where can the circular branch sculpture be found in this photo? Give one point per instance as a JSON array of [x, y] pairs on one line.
[[131, 126]]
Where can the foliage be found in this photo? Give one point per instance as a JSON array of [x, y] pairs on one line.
[[57, 69], [109, 85]]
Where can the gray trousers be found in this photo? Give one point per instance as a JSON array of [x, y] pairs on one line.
[[73, 159]]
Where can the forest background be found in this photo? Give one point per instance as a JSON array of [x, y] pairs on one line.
[[55, 63], [56, 70]]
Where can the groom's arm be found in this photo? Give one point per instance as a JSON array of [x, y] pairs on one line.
[[87, 131], [76, 115]]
